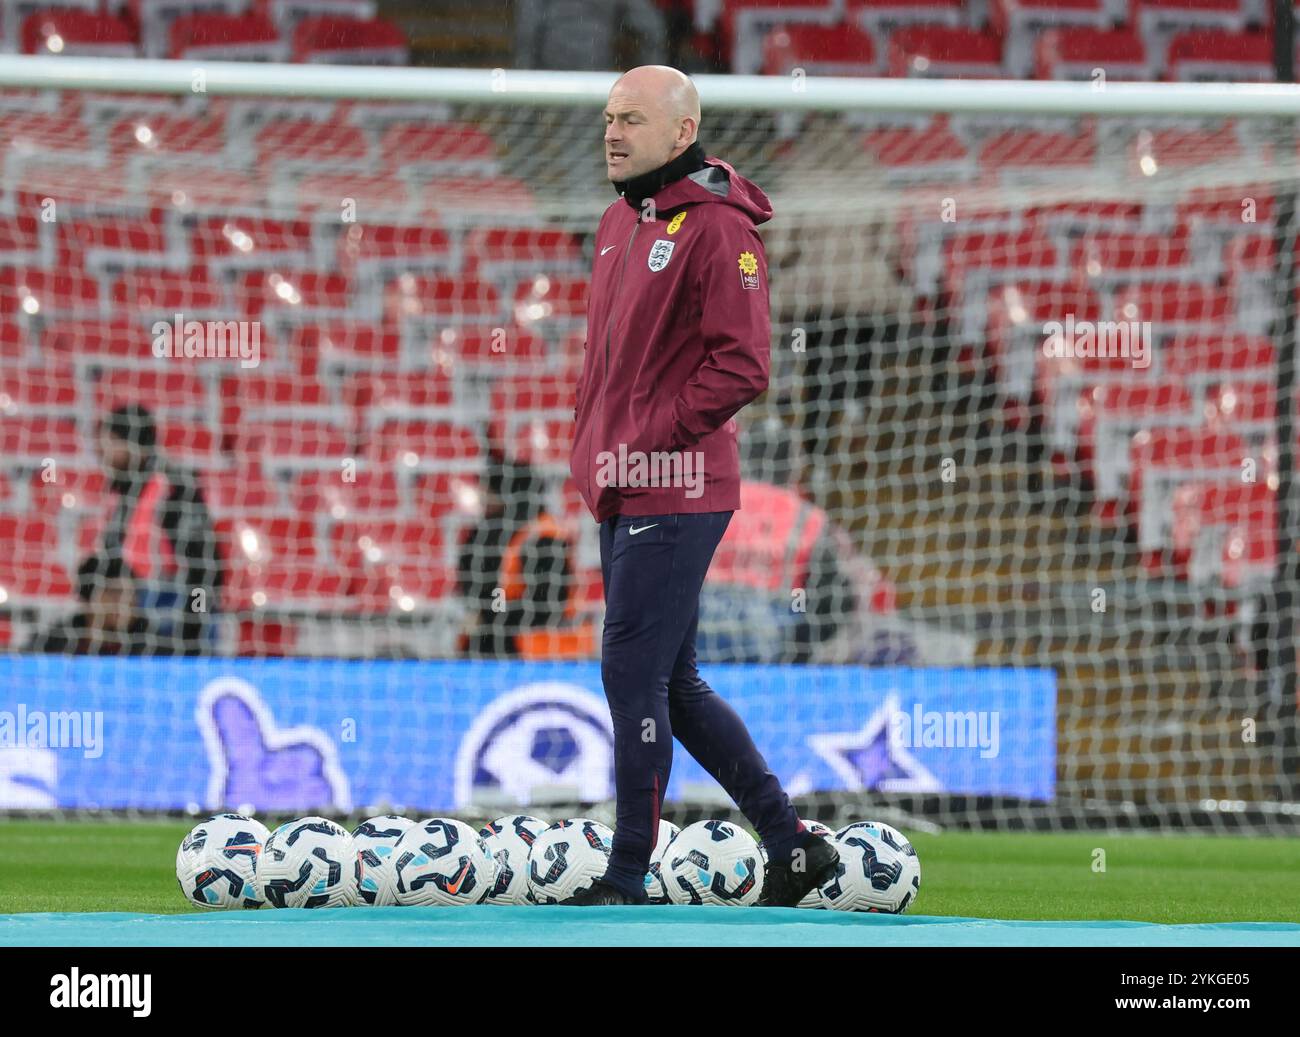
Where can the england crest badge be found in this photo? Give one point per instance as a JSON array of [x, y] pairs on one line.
[[660, 252]]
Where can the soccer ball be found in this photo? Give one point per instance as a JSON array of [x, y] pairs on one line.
[[654, 881], [217, 863], [713, 862], [442, 862], [374, 840], [508, 840], [309, 862], [567, 857], [878, 870], [813, 899]]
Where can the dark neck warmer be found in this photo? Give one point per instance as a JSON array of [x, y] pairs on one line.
[[637, 189]]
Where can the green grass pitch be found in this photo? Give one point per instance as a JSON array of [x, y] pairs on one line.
[[121, 866]]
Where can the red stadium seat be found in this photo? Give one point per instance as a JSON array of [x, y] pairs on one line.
[[1153, 150], [306, 140], [1159, 18], [541, 442], [532, 417], [43, 389], [67, 488], [294, 291], [61, 133], [424, 445], [240, 492], [49, 293], [449, 299], [1108, 257], [497, 350], [232, 242], [91, 244], [1226, 207], [394, 248], [153, 19], [162, 294], [395, 395], [1160, 459], [879, 14], [77, 34], [1076, 53], [159, 390], [482, 198], [1019, 149], [328, 40], [994, 253], [499, 252], [191, 444], [274, 563], [30, 571], [931, 151], [745, 23], [1199, 56], [200, 189], [383, 196], [931, 51], [1111, 414], [1176, 307], [826, 50], [550, 302], [291, 443], [445, 147], [117, 340], [15, 346], [392, 565], [34, 439], [1192, 356], [1242, 406], [329, 492], [436, 494], [278, 397], [1017, 21], [226, 37], [348, 343]]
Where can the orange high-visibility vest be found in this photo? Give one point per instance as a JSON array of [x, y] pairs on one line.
[[575, 640]]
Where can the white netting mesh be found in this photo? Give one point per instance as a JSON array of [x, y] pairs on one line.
[[411, 279]]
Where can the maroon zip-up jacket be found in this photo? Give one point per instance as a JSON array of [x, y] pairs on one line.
[[678, 341]]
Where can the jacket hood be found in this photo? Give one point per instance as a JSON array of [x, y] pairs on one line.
[[717, 182]]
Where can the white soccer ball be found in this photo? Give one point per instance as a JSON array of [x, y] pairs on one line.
[[309, 862], [509, 840], [878, 870], [713, 862], [374, 840], [654, 880], [217, 863], [568, 857], [442, 862]]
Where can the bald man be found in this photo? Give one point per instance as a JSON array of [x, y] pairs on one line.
[[678, 341]]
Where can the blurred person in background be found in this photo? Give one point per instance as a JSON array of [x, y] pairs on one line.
[[516, 574], [160, 532], [107, 623]]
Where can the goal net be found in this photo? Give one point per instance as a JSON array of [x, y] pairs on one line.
[[1010, 550]]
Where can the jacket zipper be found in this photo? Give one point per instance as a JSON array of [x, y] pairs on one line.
[[609, 331]]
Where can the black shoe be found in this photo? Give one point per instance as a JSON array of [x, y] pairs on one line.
[[599, 894], [784, 886]]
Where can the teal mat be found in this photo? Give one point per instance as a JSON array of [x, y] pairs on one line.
[[610, 927]]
